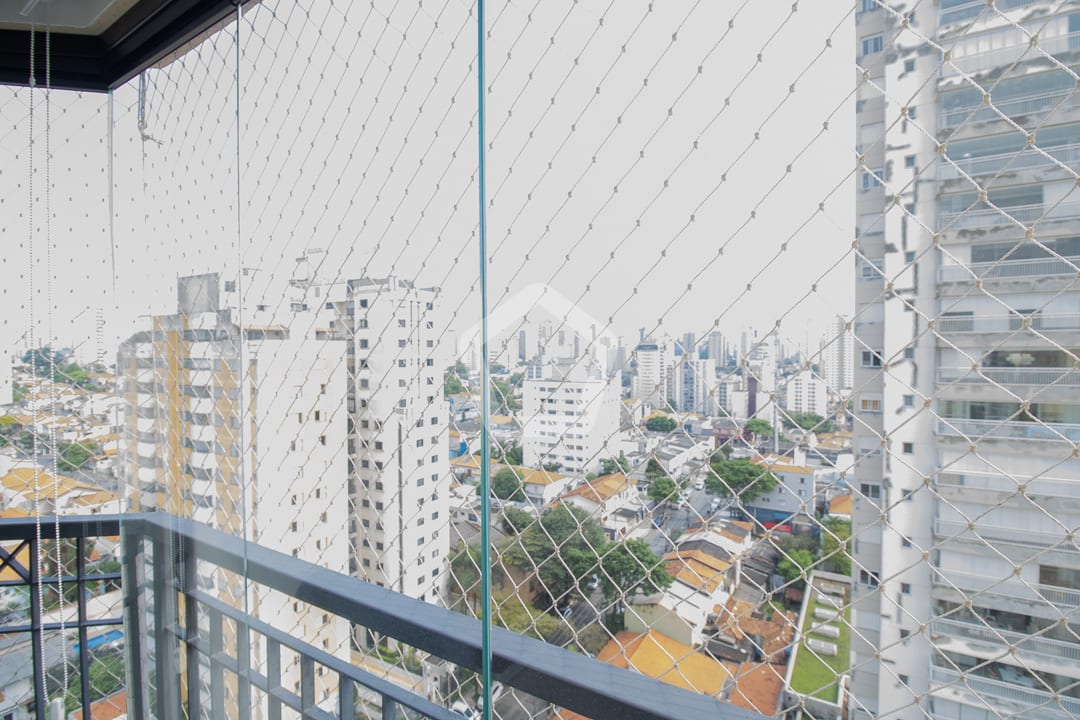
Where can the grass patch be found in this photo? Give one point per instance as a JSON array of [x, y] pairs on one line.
[[815, 675]]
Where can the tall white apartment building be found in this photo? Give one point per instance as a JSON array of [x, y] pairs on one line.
[[654, 361], [967, 576], [568, 416], [805, 392], [694, 385], [397, 435], [837, 358], [242, 427]]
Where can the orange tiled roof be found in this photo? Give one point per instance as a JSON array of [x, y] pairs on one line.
[[840, 505], [658, 656], [758, 687], [601, 489]]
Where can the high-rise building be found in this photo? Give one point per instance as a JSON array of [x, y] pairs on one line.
[[837, 358], [717, 348], [242, 426], [569, 413], [654, 360], [694, 384], [805, 393], [965, 570]]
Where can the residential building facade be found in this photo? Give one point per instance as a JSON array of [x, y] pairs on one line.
[[968, 222]]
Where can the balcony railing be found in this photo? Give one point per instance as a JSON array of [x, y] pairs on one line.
[[1028, 106], [951, 324], [976, 584], [1058, 377], [1008, 430], [1022, 699], [1026, 645], [1007, 56], [1025, 159], [968, 10], [997, 482], [1015, 536], [1005, 269], [169, 556], [1023, 214]]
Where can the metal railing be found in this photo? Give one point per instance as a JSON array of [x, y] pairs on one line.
[[1008, 430], [1027, 106], [996, 482], [1023, 159], [958, 529], [1024, 643], [1019, 52], [1007, 323], [1025, 699], [1011, 215], [968, 10], [162, 552], [976, 584], [1059, 377], [1006, 269]]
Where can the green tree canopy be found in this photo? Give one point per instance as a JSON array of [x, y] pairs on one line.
[[610, 466], [506, 485], [515, 520], [630, 567], [795, 567], [562, 547], [740, 478], [452, 384], [72, 456], [654, 470], [835, 545], [661, 423], [809, 421], [662, 489], [759, 427]]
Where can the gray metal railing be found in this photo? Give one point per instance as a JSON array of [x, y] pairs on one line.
[[161, 554], [1060, 377], [1005, 269], [1008, 430], [1027, 106], [1018, 52], [1025, 643], [1024, 159], [1025, 699], [968, 10], [949, 324], [1012, 215]]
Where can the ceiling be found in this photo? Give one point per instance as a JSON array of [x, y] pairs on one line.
[[97, 45]]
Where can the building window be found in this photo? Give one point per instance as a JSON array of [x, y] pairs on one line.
[[905, 542], [870, 404], [909, 66], [872, 178], [322, 439], [870, 490], [909, 161], [401, 343], [363, 344], [907, 448], [869, 5], [873, 44], [903, 679], [401, 363], [868, 578], [871, 359], [909, 401], [904, 633]]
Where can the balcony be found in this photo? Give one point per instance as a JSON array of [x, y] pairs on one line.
[[976, 430], [973, 8], [994, 642], [1033, 106], [1021, 376], [1012, 54], [983, 531], [1006, 696], [975, 585], [962, 324], [173, 629], [998, 487], [1009, 269], [1025, 159], [1014, 215]]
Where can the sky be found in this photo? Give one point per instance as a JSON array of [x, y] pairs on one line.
[[684, 166]]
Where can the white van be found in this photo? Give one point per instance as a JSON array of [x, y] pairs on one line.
[[699, 484]]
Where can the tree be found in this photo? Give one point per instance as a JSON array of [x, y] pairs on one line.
[[515, 520], [795, 567], [72, 456], [759, 427], [452, 384], [562, 547], [506, 485], [662, 489], [809, 422], [514, 455], [517, 380], [553, 466], [630, 567], [661, 423], [610, 466], [654, 470], [740, 478], [835, 541]]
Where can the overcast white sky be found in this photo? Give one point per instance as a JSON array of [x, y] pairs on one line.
[[357, 136]]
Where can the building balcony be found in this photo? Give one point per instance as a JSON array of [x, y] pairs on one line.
[[998, 488], [960, 324], [1025, 159], [1032, 106], [974, 8], [1023, 376], [170, 629], [1014, 215], [1009, 269], [988, 641], [979, 586], [1011, 54], [981, 531], [973, 430], [1009, 698]]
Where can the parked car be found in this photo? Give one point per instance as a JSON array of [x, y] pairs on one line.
[[699, 484], [497, 689], [461, 708]]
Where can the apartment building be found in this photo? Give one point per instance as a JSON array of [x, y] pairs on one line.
[[239, 424], [837, 358], [568, 415], [654, 360], [965, 389], [805, 392]]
